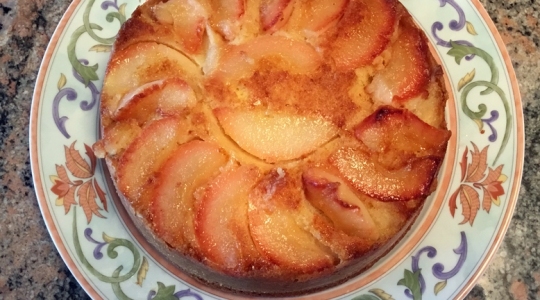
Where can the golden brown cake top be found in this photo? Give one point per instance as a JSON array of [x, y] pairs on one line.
[[273, 139]]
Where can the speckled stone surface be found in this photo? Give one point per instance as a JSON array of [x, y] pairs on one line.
[[30, 266]]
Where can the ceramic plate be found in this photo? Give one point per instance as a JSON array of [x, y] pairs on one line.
[[441, 257]]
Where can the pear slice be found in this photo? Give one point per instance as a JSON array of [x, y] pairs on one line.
[[165, 97], [366, 175], [139, 163], [276, 137], [275, 14], [148, 62], [337, 201], [221, 222], [240, 61], [391, 129], [364, 32], [316, 15], [276, 234], [190, 166], [408, 73]]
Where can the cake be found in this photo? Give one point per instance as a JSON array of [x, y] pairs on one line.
[[276, 146]]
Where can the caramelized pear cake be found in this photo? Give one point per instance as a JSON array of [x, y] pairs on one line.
[[272, 146]]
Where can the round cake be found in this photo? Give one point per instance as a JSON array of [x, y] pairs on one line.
[[272, 147]]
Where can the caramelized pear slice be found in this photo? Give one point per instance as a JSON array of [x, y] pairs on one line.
[[275, 137], [165, 97], [393, 129], [221, 223], [317, 15], [148, 62], [226, 16], [337, 201], [408, 72], [363, 33], [145, 156], [187, 18], [240, 61], [275, 232], [116, 138], [190, 166], [275, 13], [367, 176]]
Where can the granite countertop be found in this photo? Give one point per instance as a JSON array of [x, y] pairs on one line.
[[30, 266]]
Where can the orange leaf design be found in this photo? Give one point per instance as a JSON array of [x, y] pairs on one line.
[[470, 203], [488, 187], [478, 165], [87, 200], [493, 175], [452, 202], [463, 164], [101, 194], [92, 156], [76, 164], [60, 188], [492, 187], [62, 174], [69, 199], [486, 201]]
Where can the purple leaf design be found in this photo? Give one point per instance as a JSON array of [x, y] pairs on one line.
[[71, 95], [438, 268], [93, 89], [459, 24], [97, 250], [106, 4], [494, 117], [454, 25], [60, 122]]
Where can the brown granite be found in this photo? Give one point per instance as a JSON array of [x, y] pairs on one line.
[[515, 271], [30, 266]]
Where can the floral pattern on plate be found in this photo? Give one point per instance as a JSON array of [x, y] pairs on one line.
[[456, 246]]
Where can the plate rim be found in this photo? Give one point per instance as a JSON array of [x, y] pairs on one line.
[[519, 154], [505, 220], [34, 162]]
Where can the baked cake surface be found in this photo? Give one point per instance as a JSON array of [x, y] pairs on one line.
[[273, 141]]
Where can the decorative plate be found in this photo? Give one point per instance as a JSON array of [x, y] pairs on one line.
[[441, 257]]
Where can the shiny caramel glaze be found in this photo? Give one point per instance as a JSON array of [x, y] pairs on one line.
[[311, 133]]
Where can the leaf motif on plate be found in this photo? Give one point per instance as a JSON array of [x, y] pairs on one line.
[[439, 287], [122, 9], [470, 28], [481, 186], [470, 203], [101, 194], [76, 164], [107, 238], [492, 187], [61, 82], [381, 294], [101, 48], [64, 188], [87, 200], [60, 188], [165, 292], [412, 281], [478, 164], [62, 174], [69, 199], [143, 270], [466, 79], [92, 157]]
